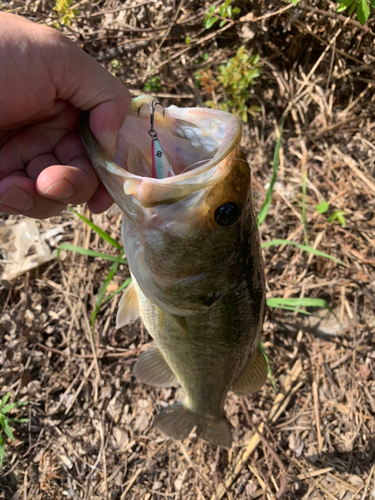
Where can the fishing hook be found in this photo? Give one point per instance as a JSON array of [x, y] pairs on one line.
[[152, 132]]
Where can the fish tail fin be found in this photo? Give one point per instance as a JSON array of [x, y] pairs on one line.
[[177, 421], [215, 430]]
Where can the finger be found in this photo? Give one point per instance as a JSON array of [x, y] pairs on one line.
[[18, 196], [74, 181], [40, 138], [100, 201], [89, 86]]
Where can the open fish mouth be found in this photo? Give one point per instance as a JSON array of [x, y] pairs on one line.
[[184, 187], [193, 140]]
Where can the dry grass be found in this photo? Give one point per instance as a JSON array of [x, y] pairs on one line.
[[90, 434]]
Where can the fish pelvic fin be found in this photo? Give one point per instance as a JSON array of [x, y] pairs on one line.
[[152, 369], [253, 375], [177, 421], [128, 309]]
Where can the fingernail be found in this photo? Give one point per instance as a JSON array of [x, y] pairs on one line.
[[60, 190], [17, 198], [108, 142]]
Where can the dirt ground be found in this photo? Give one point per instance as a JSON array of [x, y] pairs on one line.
[[90, 433]]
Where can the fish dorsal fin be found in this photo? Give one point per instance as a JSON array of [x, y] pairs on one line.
[[253, 375], [128, 309], [152, 369]]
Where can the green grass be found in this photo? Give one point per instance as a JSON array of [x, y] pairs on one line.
[[6, 420], [275, 166], [115, 259]]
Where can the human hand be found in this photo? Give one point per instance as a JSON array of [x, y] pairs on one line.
[[45, 81]]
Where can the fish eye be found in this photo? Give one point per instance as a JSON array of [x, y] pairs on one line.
[[228, 214]]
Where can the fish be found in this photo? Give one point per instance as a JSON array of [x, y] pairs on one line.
[[193, 249]]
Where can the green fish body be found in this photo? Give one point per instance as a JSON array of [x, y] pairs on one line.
[[193, 250]]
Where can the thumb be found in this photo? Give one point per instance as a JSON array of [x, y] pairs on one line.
[[88, 86]]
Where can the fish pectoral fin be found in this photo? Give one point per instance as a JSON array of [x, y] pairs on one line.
[[128, 309], [253, 375], [152, 369], [177, 421]]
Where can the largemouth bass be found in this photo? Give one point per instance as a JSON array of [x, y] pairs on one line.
[[193, 250]]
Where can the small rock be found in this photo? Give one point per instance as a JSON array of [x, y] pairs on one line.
[[296, 444], [178, 482], [157, 485], [312, 454], [121, 436]]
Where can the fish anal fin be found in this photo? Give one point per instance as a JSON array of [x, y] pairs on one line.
[[253, 375], [177, 421], [128, 309], [152, 369]]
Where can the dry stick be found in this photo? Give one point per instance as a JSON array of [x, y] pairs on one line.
[[351, 164], [78, 391], [245, 19], [131, 482], [368, 483], [209, 37], [334, 15], [180, 5], [320, 59], [102, 432], [178, 54], [317, 415], [278, 460], [255, 440]]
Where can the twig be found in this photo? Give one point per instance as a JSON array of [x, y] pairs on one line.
[[335, 15], [351, 164], [317, 415], [248, 17], [312, 71]]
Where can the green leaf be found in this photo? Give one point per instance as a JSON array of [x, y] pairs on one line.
[[305, 248], [4, 400], [222, 22], [372, 2], [363, 11], [209, 22], [287, 308], [339, 216], [103, 288], [266, 205], [2, 449], [187, 40], [344, 5], [5, 426], [297, 302], [9, 407], [323, 207], [261, 348], [90, 253], [18, 420], [105, 236]]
